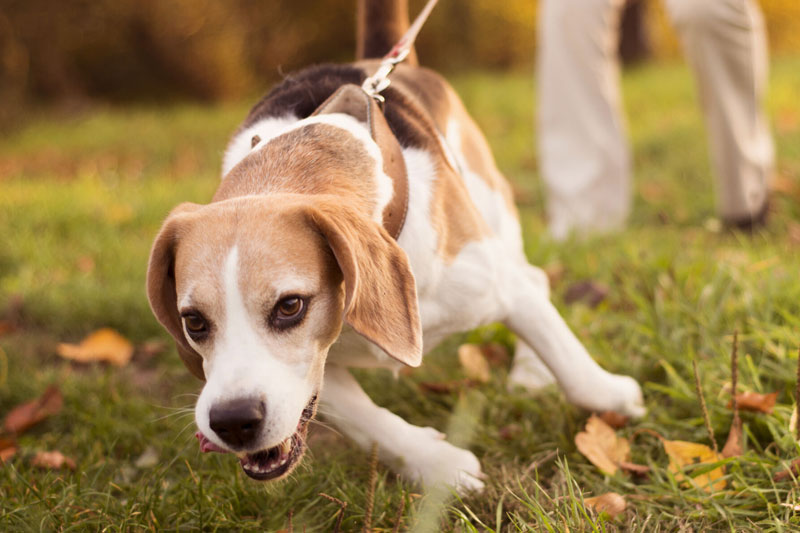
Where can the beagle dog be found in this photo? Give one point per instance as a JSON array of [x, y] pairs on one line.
[[349, 235]]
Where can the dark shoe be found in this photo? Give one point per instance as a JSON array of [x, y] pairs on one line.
[[752, 223]]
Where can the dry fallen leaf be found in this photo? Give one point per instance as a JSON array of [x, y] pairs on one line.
[[733, 446], [6, 327], [102, 345], [7, 449], [793, 470], [610, 503], [52, 460], [474, 364], [495, 353], [149, 349], [587, 291], [601, 446], [85, 264], [794, 233], [682, 453], [31, 413], [615, 420], [634, 468], [754, 401]]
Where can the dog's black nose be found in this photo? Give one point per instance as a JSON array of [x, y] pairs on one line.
[[237, 422]]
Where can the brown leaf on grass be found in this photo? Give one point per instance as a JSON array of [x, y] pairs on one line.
[[473, 363], [615, 420], [733, 446], [6, 327], [85, 264], [592, 293], [7, 449], [754, 401], [495, 353], [611, 503], [634, 468], [149, 349], [792, 471], [598, 443], [54, 460], [794, 233], [784, 184], [31, 413], [105, 345], [682, 453]]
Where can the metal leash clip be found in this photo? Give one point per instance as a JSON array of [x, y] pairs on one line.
[[379, 81]]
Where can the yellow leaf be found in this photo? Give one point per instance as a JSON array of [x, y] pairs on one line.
[[601, 446], [683, 453], [611, 503], [102, 345], [474, 363]]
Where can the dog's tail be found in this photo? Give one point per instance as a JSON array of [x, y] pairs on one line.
[[381, 23]]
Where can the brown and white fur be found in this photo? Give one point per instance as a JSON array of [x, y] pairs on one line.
[[298, 221]]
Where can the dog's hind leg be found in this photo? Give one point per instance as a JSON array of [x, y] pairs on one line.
[[538, 324], [419, 453], [528, 370]]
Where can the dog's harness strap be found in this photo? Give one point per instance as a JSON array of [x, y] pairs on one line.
[[379, 81], [350, 99]]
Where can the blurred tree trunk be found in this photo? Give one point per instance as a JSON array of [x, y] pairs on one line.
[[634, 40]]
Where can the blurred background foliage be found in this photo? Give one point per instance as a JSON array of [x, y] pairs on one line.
[[69, 51]]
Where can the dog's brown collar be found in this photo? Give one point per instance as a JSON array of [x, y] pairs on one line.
[[352, 100]]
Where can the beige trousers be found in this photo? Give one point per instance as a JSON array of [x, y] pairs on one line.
[[585, 160]]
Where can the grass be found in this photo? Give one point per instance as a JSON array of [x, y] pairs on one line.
[[82, 198]]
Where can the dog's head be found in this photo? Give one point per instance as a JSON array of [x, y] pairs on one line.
[[255, 290]]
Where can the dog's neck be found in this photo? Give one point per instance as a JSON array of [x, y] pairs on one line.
[[332, 155]]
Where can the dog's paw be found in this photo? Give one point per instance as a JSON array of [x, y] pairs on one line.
[[432, 461], [612, 392]]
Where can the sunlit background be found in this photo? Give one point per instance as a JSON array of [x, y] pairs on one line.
[[120, 50]]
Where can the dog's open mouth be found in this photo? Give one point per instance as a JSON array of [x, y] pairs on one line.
[[275, 462]]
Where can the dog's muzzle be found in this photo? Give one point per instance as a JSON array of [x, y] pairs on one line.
[[275, 462]]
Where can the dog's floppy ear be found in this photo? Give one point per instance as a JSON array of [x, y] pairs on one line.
[[161, 289], [352, 100], [380, 291]]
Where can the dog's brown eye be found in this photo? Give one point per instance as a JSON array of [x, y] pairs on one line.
[[289, 307], [289, 312], [196, 326]]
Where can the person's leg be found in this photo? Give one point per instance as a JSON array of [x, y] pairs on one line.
[[725, 43], [585, 162]]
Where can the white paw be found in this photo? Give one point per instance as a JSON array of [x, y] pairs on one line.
[[611, 392], [431, 461]]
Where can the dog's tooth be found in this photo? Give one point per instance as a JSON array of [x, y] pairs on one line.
[[286, 446]]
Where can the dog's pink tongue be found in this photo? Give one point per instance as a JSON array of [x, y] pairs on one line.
[[208, 446]]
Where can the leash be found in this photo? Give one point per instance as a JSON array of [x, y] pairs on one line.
[[379, 81]]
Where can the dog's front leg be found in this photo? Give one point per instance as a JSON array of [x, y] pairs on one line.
[[419, 453], [537, 322]]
